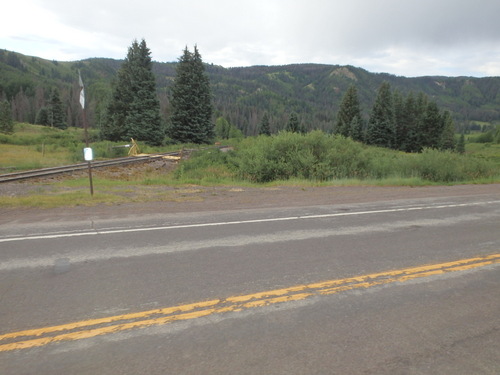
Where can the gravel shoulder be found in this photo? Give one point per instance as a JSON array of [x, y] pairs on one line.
[[205, 199]]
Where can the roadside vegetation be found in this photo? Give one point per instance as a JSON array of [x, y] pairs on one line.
[[34, 146], [404, 139], [311, 159], [331, 159]]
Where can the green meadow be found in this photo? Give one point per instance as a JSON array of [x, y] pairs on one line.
[[312, 159]]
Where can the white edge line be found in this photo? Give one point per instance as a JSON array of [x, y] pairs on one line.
[[200, 225]]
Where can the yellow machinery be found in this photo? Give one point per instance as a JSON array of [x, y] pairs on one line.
[[134, 148]]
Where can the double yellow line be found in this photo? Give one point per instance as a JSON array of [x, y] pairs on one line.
[[118, 323]]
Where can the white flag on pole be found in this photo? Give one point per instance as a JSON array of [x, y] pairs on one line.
[[82, 91]]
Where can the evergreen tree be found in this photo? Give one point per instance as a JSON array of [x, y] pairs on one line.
[[381, 127], [42, 117], [401, 135], [431, 127], [204, 95], [408, 133], [421, 105], [56, 112], [294, 124], [6, 122], [448, 134], [113, 126], [356, 129], [349, 123], [134, 110], [191, 119], [265, 128]]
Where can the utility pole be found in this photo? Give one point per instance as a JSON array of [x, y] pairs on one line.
[[87, 152]]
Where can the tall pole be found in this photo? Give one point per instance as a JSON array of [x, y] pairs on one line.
[[89, 161], [88, 155]]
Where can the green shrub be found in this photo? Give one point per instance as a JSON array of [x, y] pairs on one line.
[[321, 157], [315, 156], [347, 159], [446, 166], [209, 165], [487, 137]]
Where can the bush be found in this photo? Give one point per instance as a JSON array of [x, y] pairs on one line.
[[209, 165], [347, 159], [487, 137], [314, 156], [318, 156]]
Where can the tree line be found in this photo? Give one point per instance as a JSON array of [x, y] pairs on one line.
[[408, 123], [134, 110], [241, 95]]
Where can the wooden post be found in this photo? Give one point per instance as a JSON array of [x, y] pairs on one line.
[[87, 145]]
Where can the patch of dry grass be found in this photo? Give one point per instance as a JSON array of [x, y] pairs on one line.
[[16, 157]]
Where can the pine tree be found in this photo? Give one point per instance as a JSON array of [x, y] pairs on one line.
[[448, 134], [356, 129], [400, 121], [381, 127], [264, 128], [56, 113], [134, 110], [293, 124], [349, 123], [408, 133], [204, 95], [191, 119], [431, 127], [6, 122], [113, 128], [42, 117], [420, 110]]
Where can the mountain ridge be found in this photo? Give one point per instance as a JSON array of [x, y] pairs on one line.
[[243, 94]]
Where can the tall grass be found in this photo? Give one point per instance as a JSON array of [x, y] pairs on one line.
[[36, 146], [209, 166], [316, 158], [320, 157]]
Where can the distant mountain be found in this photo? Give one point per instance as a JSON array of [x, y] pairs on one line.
[[243, 95]]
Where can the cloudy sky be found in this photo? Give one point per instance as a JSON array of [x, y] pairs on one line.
[[402, 37]]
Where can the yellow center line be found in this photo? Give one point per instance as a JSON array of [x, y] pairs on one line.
[[95, 327], [93, 322]]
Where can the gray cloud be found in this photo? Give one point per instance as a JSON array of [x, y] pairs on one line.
[[404, 37]]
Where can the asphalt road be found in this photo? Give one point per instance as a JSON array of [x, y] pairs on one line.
[[401, 287]]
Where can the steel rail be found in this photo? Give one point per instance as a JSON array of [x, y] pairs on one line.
[[43, 172]]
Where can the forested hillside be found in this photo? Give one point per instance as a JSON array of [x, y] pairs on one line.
[[241, 95]]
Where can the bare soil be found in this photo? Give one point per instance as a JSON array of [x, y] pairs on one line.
[[199, 198]]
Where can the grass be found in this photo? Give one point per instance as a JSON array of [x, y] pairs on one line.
[[489, 151], [35, 146], [62, 199], [352, 164], [16, 157], [74, 193]]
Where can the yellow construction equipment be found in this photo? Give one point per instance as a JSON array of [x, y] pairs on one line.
[[134, 149]]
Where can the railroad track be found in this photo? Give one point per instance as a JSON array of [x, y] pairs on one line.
[[24, 175]]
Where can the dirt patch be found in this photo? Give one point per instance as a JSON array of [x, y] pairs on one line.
[[199, 199], [130, 172]]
